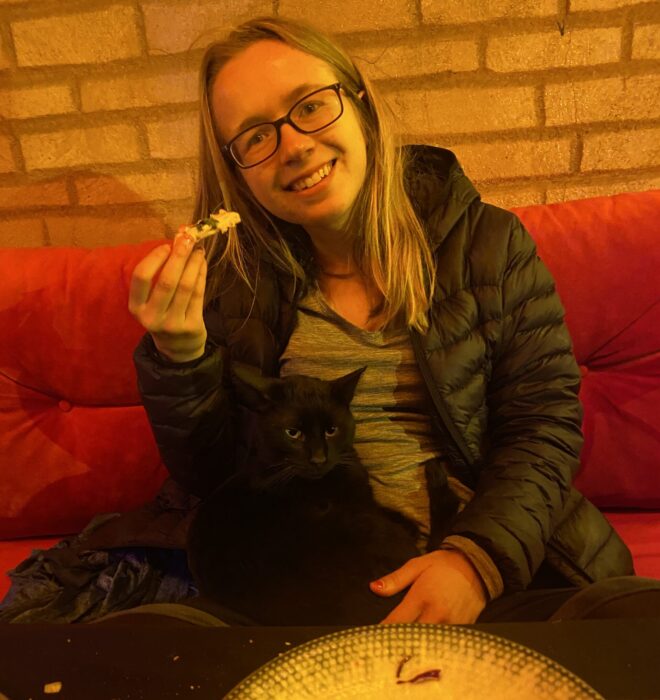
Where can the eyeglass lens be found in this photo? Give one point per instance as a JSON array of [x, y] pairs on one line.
[[310, 114]]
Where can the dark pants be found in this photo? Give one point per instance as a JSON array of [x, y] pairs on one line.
[[620, 597]]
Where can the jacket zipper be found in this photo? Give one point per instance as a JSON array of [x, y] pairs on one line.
[[462, 460]]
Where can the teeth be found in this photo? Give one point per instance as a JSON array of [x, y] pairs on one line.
[[312, 179]]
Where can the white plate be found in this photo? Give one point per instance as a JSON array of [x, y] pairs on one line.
[[379, 661]]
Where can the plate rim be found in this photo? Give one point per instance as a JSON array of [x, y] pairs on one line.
[[464, 630]]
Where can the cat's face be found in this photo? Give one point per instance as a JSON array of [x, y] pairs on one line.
[[304, 425]]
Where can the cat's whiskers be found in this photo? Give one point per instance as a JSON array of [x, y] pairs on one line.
[[277, 473]]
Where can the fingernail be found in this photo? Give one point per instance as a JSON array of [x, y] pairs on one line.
[[185, 239], [378, 585]]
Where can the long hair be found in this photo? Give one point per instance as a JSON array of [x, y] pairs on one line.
[[390, 245]]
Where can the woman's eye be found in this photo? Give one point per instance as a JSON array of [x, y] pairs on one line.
[[330, 432], [293, 433], [256, 139], [308, 108]]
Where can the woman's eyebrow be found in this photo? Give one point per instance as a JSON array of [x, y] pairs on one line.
[[289, 97]]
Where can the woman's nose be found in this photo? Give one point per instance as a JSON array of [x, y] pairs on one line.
[[293, 144]]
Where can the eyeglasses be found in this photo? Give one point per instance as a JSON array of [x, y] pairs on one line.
[[311, 113]]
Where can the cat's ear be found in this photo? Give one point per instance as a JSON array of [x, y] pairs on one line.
[[252, 389], [344, 387]]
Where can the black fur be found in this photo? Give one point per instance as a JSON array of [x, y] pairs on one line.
[[295, 537]]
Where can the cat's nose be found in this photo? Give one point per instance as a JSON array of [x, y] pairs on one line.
[[318, 457]]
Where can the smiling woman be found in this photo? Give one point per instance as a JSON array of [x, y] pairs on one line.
[[335, 170]]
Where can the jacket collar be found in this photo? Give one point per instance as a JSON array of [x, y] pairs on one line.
[[438, 188]]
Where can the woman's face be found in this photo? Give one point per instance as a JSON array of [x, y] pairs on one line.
[[261, 84]]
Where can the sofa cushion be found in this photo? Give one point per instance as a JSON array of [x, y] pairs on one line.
[[76, 440], [641, 532], [605, 256]]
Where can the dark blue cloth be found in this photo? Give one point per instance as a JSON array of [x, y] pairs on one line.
[[68, 583]]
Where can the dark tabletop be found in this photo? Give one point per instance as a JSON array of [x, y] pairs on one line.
[[618, 658]]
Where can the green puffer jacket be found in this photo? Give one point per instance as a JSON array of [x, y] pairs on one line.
[[497, 362]]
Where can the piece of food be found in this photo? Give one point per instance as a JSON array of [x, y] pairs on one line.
[[219, 221], [52, 688], [433, 674]]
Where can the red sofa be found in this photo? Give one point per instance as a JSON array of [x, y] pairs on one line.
[[75, 441]]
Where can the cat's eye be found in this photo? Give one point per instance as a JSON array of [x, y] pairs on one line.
[[331, 432], [293, 433]]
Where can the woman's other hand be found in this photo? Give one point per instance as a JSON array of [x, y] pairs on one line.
[[171, 308], [444, 588]]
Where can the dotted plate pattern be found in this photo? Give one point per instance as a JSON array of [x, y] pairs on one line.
[[380, 661]]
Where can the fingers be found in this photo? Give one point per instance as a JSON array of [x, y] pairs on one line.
[[196, 305], [408, 610], [168, 281], [143, 275], [399, 579], [187, 288], [433, 616]]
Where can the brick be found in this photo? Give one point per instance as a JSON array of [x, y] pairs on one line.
[[197, 22], [5, 55], [637, 148], [493, 161], [646, 41], [420, 58], [600, 5], [138, 187], [104, 230], [338, 16], [177, 138], [7, 163], [461, 11], [62, 149], [27, 196], [89, 37], [175, 215], [23, 103], [508, 199], [579, 47], [570, 191], [138, 91], [24, 232], [461, 110], [608, 99]]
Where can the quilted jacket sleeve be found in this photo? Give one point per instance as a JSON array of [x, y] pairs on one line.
[[190, 414], [534, 421]]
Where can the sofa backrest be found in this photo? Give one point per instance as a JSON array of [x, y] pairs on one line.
[[74, 438], [75, 441], [604, 253]]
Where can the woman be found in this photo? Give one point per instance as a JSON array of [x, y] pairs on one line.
[[393, 255], [351, 253]]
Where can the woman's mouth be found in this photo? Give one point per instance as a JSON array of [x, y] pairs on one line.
[[312, 181]]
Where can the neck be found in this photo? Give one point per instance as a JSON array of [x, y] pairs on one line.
[[333, 251]]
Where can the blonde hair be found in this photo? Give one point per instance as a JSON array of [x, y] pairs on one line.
[[390, 247]]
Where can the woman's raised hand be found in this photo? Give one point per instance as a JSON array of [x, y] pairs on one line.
[[171, 307]]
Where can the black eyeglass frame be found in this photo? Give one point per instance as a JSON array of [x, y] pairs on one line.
[[278, 123]]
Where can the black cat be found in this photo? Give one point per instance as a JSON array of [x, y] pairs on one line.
[[296, 536]]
